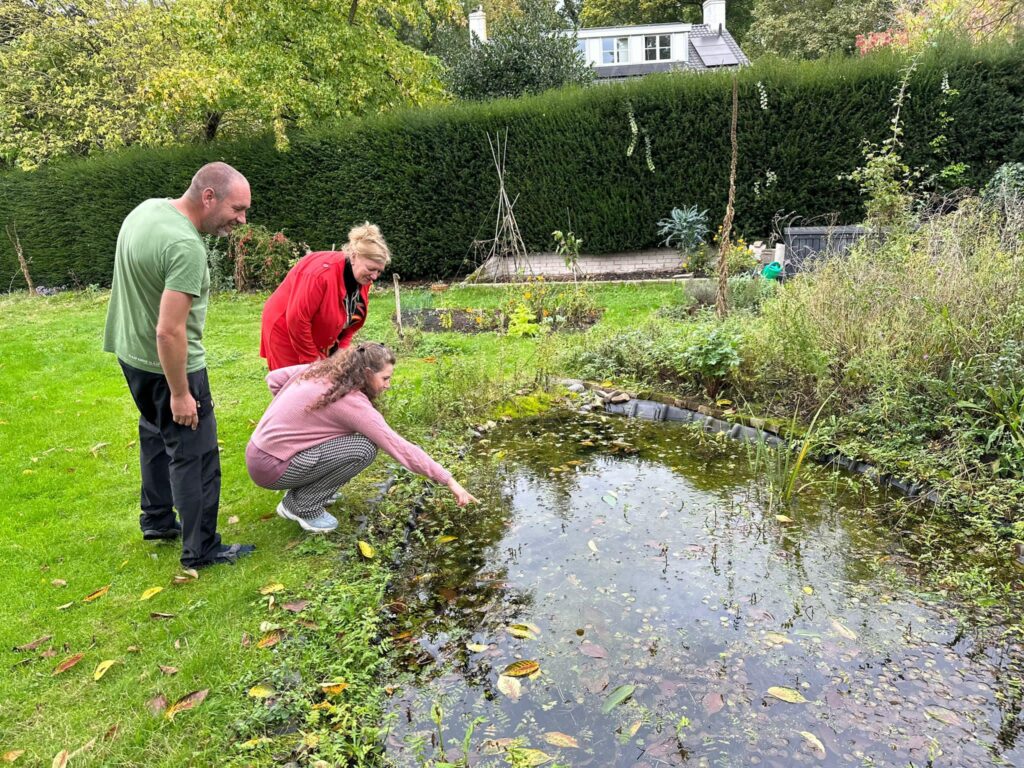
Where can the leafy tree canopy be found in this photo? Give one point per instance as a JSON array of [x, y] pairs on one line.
[[606, 13], [101, 75], [811, 29]]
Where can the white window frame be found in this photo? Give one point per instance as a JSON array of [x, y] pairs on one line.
[[660, 45], [614, 50]]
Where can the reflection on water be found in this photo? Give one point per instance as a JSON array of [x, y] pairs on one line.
[[628, 558]]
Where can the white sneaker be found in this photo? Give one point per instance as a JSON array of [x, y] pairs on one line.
[[325, 522]]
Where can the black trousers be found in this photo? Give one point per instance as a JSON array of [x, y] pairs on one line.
[[180, 467]]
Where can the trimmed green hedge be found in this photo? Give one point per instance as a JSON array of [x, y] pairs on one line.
[[428, 179]]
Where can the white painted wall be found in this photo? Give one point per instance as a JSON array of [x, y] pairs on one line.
[[592, 38]]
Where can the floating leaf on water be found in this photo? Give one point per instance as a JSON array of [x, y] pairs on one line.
[[774, 638], [943, 715], [271, 588], [808, 590], [102, 667], [271, 639], [784, 518], [150, 592], [511, 687], [446, 539], [68, 663], [787, 694], [592, 545], [477, 647], [521, 668], [333, 687], [261, 691], [713, 702], [618, 696], [593, 650], [366, 550], [843, 631], [532, 757], [610, 499], [559, 739], [96, 595], [523, 631], [633, 728], [188, 701], [814, 742]]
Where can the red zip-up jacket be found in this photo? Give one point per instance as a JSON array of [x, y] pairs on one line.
[[305, 319]]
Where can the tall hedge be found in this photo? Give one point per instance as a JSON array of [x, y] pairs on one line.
[[427, 176]]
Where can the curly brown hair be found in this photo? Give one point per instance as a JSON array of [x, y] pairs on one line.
[[346, 369]]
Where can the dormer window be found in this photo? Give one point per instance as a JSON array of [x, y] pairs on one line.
[[615, 50], [657, 47]]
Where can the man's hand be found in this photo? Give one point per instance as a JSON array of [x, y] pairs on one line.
[[183, 409]]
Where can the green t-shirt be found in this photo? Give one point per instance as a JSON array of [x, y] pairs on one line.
[[158, 249]]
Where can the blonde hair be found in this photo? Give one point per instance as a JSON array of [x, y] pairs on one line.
[[366, 240]]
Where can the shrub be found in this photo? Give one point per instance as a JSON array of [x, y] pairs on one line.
[[261, 259], [684, 229], [712, 354]]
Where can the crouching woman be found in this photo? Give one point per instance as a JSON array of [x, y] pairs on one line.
[[321, 430]]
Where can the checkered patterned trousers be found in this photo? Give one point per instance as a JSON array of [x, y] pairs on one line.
[[315, 474]]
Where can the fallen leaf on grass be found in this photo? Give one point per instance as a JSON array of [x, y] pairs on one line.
[[84, 748], [187, 701], [521, 668], [168, 670], [559, 739], [96, 595], [12, 755], [34, 644], [814, 742], [59, 583], [60, 760], [271, 639], [65, 606], [68, 663], [366, 550], [157, 704], [159, 615], [270, 589], [150, 592], [296, 607], [511, 687], [233, 520], [787, 694], [102, 667], [261, 691]]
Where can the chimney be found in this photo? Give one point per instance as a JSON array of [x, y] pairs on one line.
[[714, 15], [478, 26]]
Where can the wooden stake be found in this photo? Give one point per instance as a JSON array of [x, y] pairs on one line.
[[12, 233], [398, 308], [721, 304]]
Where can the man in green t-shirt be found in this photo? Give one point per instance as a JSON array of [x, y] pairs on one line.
[[155, 321]]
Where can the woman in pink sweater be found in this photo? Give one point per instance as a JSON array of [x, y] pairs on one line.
[[321, 430]]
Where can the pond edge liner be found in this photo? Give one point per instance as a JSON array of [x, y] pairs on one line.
[[652, 410]]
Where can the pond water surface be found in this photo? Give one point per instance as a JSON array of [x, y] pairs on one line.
[[676, 620]]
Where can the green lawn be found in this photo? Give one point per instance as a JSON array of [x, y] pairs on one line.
[[69, 528]]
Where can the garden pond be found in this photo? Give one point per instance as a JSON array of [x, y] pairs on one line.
[[638, 597]]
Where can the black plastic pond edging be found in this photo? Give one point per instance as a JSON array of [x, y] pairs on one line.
[[651, 410]]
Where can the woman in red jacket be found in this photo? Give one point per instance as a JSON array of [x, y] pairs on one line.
[[323, 300]]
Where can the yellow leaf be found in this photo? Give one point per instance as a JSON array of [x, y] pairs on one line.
[[592, 545], [446, 539], [815, 742], [262, 691], [102, 667], [150, 592], [533, 757], [96, 595], [808, 590], [60, 759], [271, 639], [333, 687], [12, 755], [253, 743], [559, 739], [787, 695], [188, 701], [843, 631], [366, 550], [511, 687], [776, 639], [270, 589], [476, 647], [784, 519], [521, 668], [522, 631]]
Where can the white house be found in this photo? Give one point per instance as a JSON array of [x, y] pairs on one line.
[[630, 51]]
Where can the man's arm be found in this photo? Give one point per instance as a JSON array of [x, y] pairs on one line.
[[172, 348]]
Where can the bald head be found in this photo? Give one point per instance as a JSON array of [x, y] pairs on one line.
[[220, 177]]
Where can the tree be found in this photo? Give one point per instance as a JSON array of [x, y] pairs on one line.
[[528, 53], [101, 74], [977, 20], [811, 29], [605, 13]]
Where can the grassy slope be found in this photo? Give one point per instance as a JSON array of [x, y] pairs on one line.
[[69, 463]]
